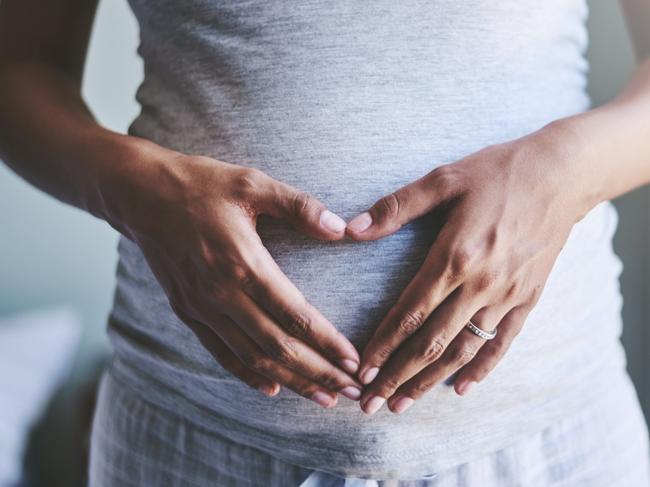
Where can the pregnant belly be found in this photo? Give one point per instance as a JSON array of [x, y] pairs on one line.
[[352, 283], [552, 367]]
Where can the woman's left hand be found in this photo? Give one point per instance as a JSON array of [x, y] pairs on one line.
[[508, 209]]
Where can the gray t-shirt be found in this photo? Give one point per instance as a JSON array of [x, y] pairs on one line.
[[350, 100]]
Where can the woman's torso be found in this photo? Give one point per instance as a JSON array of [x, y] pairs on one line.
[[349, 101]]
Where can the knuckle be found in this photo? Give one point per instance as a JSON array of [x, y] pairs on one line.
[[241, 275], [492, 238], [222, 296], [218, 292], [328, 380], [283, 350], [247, 181], [245, 186], [410, 322], [297, 324], [486, 280], [383, 353], [302, 202], [461, 354], [304, 389], [513, 290], [388, 206], [421, 388], [391, 384], [458, 262], [431, 350], [207, 256], [445, 178], [388, 386], [255, 361]]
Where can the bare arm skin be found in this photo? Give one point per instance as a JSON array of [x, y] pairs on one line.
[[193, 217], [509, 208]]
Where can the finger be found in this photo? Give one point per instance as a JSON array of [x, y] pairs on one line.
[[229, 361], [459, 352], [493, 351], [393, 211], [270, 288], [423, 348], [303, 210], [436, 280], [255, 358], [287, 350], [462, 350]]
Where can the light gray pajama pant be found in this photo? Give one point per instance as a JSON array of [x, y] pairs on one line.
[[135, 443]]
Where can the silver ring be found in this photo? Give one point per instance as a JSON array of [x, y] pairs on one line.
[[486, 335]]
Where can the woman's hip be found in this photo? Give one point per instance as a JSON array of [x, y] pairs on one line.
[[135, 443]]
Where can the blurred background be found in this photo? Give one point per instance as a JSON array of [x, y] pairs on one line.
[[57, 266]]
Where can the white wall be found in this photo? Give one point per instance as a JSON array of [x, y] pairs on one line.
[[52, 254]]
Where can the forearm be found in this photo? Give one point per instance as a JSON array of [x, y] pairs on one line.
[[610, 145], [49, 137]]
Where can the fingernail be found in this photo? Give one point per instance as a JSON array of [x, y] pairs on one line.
[[402, 404], [360, 222], [465, 387], [332, 222], [351, 392], [270, 390], [369, 375], [373, 404], [350, 366], [322, 399]]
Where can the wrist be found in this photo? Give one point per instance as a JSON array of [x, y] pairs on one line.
[[570, 165], [132, 180]]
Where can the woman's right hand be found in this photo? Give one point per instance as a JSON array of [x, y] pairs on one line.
[[196, 227]]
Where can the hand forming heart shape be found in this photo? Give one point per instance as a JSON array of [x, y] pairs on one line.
[[509, 210], [508, 214]]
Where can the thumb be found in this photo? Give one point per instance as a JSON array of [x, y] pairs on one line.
[[393, 211], [303, 210]]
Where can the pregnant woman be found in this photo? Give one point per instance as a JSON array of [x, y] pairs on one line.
[[363, 243]]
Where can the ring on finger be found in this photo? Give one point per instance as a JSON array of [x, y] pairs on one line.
[[486, 335]]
